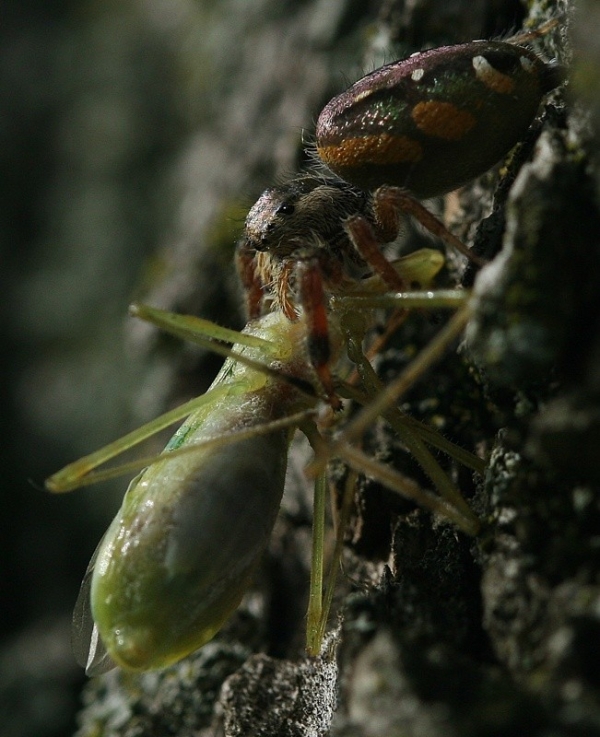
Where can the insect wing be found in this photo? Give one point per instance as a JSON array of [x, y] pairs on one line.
[[87, 645]]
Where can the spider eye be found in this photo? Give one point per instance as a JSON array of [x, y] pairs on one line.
[[286, 208]]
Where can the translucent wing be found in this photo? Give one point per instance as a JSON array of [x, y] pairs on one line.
[[87, 645]]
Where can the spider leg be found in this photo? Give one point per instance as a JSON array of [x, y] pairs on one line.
[[368, 244], [245, 261], [312, 298], [283, 291], [388, 199]]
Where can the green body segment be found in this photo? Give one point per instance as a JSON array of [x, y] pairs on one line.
[[180, 553], [436, 120]]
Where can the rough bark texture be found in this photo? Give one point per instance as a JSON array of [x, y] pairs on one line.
[[438, 634]]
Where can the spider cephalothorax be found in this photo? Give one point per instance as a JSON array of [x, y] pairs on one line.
[[307, 238], [303, 222]]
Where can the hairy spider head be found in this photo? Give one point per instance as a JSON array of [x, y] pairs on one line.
[[305, 212]]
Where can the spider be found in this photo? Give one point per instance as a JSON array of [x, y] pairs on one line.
[[424, 125]]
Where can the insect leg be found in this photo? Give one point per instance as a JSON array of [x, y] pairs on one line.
[[385, 400], [79, 473], [321, 589], [207, 334], [424, 360]]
